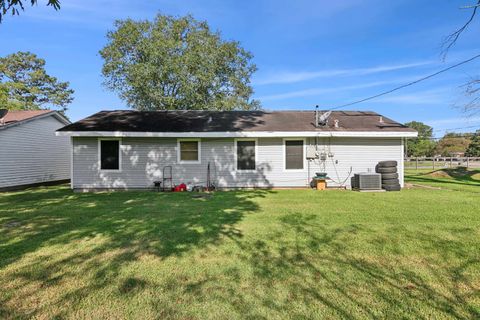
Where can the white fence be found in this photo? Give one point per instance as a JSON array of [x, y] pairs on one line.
[[441, 162]]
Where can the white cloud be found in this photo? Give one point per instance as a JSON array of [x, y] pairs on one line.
[[88, 13], [319, 91], [438, 96], [409, 99], [292, 77], [450, 121]]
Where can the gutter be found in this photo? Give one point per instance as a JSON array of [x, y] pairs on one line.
[[240, 134]]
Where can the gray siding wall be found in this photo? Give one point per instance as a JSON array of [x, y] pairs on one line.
[[354, 155], [142, 161], [31, 153]]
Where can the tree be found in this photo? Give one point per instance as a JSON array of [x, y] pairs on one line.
[[473, 149], [423, 145], [452, 38], [14, 6], [25, 85], [3, 96], [424, 130], [452, 143], [176, 63], [472, 87]]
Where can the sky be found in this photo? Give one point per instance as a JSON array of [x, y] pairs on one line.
[[308, 53]]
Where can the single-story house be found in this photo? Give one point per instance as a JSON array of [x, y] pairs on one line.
[[30, 152], [127, 149]]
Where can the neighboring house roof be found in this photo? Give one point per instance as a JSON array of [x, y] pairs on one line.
[[17, 117], [231, 123]]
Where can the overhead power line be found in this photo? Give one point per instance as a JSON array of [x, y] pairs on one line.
[[407, 84], [437, 138], [440, 138], [459, 128]]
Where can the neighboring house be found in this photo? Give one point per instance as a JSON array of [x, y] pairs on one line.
[[129, 149], [30, 152]]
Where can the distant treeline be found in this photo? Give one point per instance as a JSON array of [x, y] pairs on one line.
[[451, 144]]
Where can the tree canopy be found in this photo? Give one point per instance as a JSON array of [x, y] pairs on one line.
[[473, 149], [25, 84], [177, 63], [14, 6], [423, 145], [472, 87], [452, 143]]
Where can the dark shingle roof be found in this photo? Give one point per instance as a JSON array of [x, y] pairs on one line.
[[231, 121]]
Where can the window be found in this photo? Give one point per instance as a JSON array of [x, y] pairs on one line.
[[245, 154], [294, 154], [110, 154], [189, 150]]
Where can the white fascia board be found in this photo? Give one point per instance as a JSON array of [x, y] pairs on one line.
[[240, 134], [61, 118]]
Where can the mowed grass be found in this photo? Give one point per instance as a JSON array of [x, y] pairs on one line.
[[458, 179], [259, 254]]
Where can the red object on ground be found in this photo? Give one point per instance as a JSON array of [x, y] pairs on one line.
[[180, 187]]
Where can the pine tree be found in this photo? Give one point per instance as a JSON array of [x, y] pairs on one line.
[[473, 149]]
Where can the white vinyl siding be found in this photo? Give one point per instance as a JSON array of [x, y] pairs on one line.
[[32, 153], [144, 158], [357, 155]]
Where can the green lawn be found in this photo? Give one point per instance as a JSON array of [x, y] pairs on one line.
[[458, 179], [248, 254]]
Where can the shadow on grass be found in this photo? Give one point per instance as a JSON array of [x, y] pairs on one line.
[[427, 179], [156, 223], [448, 177], [300, 269], [135, 224], [318, 270]]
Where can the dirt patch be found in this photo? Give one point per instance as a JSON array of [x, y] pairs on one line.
[[202, 195], [439, 174], [12, 224], [476, 176], [460, 172], [420, 186]]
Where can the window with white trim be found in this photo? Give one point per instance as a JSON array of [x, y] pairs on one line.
[[294, 154], [110, 154], [189, 150], [246, 154]]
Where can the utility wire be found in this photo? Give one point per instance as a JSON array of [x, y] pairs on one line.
[[436, 138], [406, 85], [470, 127], [439, 138]]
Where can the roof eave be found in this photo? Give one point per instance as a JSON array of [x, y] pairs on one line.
[[53, 113], [241, 134]]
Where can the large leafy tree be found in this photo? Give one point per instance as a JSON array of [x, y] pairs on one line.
[[14, 6], [177, 63], [25, 85], [473, 149], [423, 145]]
